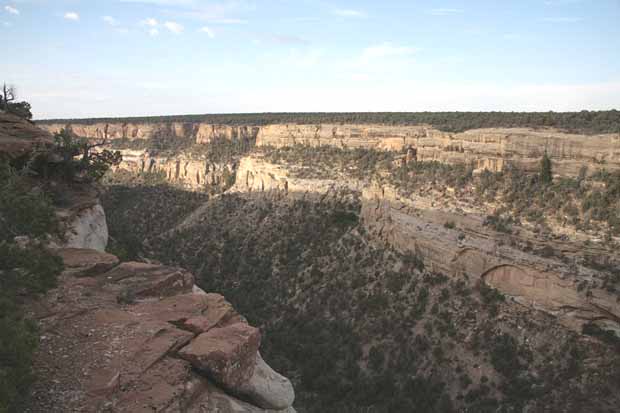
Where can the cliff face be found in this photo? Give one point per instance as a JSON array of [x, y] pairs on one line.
[[186, 171], [468, 248], [487, 148], [198, 132]]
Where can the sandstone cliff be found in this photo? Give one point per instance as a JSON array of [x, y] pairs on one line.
[[198, 132], [190, 172], [487, 148]]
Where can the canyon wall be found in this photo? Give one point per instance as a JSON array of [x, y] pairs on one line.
[[196, 131], [190, 172], [491, 148], [471, 250]]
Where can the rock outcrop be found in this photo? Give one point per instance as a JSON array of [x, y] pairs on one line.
[[469, 249], [19, 137], [490, 148], [138, 337], [190, 172], [198, 132]]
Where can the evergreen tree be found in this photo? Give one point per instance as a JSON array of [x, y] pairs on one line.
[[546, 171]]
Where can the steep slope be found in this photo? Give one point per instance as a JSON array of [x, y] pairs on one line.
[[361, 326]]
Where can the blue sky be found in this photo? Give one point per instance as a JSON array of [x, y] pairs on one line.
[[79, 58]]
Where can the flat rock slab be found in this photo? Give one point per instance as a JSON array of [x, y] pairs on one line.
[[85, 262], [227, 355], [139, 280], [161, 389], [174, 309]]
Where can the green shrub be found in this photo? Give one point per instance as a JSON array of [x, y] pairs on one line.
[[23, 272], [25, 210], [72, 158]]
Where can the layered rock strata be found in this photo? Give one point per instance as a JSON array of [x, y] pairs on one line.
[[469, 249], [19, 137], [190, 172], [490, 148]]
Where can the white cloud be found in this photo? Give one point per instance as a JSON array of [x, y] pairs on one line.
[[360, 77], [11, 10], [6, 24], [562, 19], [445, 12], [153, 32], [71, 15], [386, 50], [349, 13], [110, 20], [174, 27], [208, 31], [151, 22]]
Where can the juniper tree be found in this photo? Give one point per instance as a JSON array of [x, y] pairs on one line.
[[546, 170]]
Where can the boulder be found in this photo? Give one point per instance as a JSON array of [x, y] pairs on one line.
[[87, 228], [267, 389], [227, 355], [215, 400], [86, 262]]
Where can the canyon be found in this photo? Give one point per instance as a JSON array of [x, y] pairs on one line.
[[539, 282], [387, 268], [489, 148]]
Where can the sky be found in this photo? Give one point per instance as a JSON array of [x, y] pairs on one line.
[[87, 58]]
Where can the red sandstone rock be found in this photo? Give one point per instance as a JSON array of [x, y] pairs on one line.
[[85, 262], [19, 137], [219, 313], [139, 280], [227, 355]]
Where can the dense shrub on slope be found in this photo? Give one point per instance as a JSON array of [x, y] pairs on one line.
[[359, 327], [25, 210], [140, 212]]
